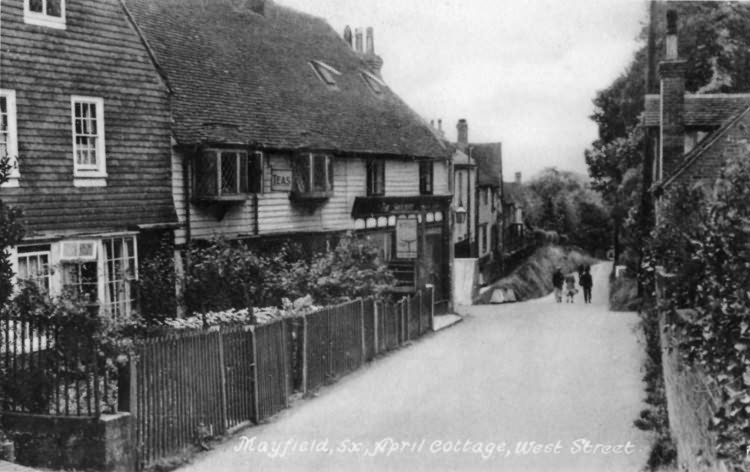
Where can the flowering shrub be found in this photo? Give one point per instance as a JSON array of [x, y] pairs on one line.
[[705, 240], [223, 276], [301, 306]]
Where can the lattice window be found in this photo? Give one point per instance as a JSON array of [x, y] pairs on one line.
[[219, 173], [376, 177], [313, 174]]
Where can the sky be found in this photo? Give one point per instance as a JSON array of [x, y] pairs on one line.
[[523, 72]]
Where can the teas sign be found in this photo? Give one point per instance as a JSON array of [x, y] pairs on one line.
[[406, 238], [281, 180]]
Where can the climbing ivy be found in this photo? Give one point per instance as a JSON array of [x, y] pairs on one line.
[[703, 237]]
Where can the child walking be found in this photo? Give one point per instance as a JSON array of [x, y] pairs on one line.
[[570, 288]]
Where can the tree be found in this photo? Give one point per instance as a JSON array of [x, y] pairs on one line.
[[11, 233]]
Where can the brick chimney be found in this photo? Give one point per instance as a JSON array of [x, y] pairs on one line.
[[358, 40], [348, 36], [463, 135], [672, 76], [373, 61], [518, 178]]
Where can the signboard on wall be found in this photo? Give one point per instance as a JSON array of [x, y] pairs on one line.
[[281, 180], [406, 238]]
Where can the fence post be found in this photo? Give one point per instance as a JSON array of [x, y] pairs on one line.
[[419, 314], [255, 375], [133, 388], [285, 360], [432, 308], [329, 335], [363, 350], [304, 354], [375, 326], [124, 377], [223, 374]]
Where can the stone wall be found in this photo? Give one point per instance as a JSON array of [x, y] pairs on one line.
[[69, 442], [691, 400]]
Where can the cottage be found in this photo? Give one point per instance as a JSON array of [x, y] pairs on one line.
[[692, 134], [84, 119], [477, 174], [284, 130]]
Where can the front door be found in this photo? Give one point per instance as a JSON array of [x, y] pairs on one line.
[[434, 262]]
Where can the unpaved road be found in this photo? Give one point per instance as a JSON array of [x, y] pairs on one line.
[[556, 374]]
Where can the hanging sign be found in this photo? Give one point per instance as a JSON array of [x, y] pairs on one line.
[[406, 238]]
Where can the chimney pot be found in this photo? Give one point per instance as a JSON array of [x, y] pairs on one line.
[[358, 39], [463, 134], [440, 124], [518, 178], [671, 40], [348, 35], [370, 41]]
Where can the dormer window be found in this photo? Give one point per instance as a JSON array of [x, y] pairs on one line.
[[375, 84], [325, 73], [49, 13]]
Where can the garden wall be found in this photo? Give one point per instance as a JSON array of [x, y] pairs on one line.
[[72, 442], [690, 403]]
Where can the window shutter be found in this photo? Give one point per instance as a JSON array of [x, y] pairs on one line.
[[329, 161], [255, 167]]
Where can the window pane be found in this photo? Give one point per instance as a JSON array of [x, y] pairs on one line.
[[35, 6], [205, 174], [54, 8], [319, 173], [229, 173], [302, 174]]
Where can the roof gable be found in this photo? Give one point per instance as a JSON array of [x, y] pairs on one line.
[[708, 143], [244, 78]]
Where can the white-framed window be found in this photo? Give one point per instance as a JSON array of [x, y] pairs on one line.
[[227, 173], [33, 265], [9, 134], [101, 272], [120, 271], [89, 159], [49, 13]]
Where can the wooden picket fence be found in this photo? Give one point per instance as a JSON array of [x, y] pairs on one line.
[[187, 387]]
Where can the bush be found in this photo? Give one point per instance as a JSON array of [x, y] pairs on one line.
[[223, 276], [705, 240], [156, 285]]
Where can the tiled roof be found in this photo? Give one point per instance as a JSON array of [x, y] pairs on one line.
[[696, 153], [709, 110], [243, 78], [489, 159]]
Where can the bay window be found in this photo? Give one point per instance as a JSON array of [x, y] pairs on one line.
[[313, 176], [227, 174]]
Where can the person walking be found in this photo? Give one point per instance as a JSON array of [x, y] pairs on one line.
[[570, 288], [586, 283], [557, 283]]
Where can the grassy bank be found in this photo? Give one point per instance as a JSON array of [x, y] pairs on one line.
[[623, 294], [533, 278]]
